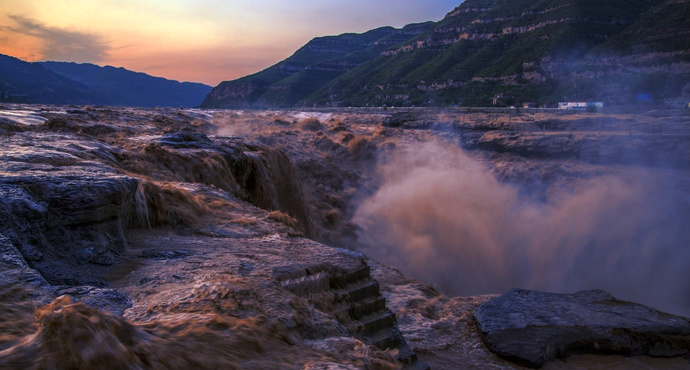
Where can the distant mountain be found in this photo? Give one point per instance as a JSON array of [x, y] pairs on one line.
[[126, 88], [541, 51], [23, 82], [72, 83]]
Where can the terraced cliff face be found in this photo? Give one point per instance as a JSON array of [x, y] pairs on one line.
[[525, 51], [542, 52]]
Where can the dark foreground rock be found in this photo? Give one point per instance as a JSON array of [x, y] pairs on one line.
[[531, 328]]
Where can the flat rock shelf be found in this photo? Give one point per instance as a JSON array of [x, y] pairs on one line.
[[531, 328]]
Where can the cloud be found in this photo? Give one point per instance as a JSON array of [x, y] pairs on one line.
[[60, 44]]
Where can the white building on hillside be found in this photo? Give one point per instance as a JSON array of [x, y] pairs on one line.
[[580, 105]]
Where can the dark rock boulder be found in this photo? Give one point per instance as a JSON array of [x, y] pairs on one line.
[[531, 328]]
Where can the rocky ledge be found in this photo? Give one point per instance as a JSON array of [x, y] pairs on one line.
[[164, 241], [603, 149], [531, 328]]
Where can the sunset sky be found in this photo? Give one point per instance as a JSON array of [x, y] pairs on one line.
[[205, 41]]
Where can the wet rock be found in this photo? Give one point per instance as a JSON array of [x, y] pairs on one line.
[[353, 298], [261, 175], [148, 280], [186, 140], [22, 289], [10, 255], [16, 278], [8, 126], [78, 123], [64, 217], [540, 146], [246, 268], [232, 263], [164, 254], [649, 150], [103, 299], [531, 328]]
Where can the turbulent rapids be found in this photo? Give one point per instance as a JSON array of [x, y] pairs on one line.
[[178, 238]]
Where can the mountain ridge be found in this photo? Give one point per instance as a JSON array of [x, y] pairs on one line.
[[53, 82], [540, 51], [309, 68], [24, 82]]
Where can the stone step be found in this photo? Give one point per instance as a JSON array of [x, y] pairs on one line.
[[351, 277], [303, 286], [383, 339], [392, 338], [355, 300], [362, 290], [377, 321], [366, 307]]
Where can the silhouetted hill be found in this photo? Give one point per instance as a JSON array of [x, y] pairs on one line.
[[542, 51], [128, 88], [72, 83], [23, 82]]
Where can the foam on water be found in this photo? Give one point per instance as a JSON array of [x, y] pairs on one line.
[[25, 117]]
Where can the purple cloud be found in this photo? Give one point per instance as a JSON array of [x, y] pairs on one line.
[[60, 44]]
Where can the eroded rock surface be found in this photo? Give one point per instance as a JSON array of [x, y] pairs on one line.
[[531, 327], [178, 238], [650, 139], [194, 239]]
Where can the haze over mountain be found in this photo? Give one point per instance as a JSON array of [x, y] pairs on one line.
[[73, 83], [542, 51]]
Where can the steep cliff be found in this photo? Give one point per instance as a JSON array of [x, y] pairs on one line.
[[542, 51]]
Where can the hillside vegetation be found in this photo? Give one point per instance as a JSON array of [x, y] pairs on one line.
[[540, 51]]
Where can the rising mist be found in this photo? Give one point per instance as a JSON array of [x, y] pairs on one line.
[[445, 218]]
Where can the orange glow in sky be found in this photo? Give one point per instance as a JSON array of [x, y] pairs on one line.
[[206, 41]]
